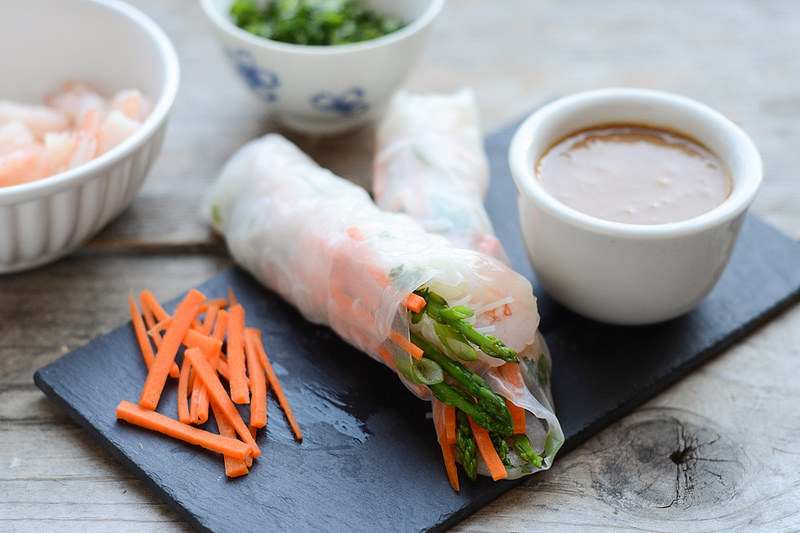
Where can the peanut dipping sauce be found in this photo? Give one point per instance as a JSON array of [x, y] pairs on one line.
[[634, 174]]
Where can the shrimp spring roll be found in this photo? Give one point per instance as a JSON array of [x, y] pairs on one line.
[[432, 312], [430, 163]]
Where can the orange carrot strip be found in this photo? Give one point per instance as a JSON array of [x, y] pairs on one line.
[[485, 446], [208, 346], [149, 300], [148, 419], [233, 467], [236, 363], [231, 297], [450, 423], [440, 420], [219, 397], [273, 381], [209, 319], [149, 320], [210, 349], [258, 382], [415, 351], [153, 312], [183, 393], [415, 302], [141, 333], [221, 325], [518, 417], [165, 357]]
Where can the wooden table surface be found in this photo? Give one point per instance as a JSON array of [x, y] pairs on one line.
[[718, 451]]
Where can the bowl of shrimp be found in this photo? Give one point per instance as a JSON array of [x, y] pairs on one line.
[[82, 120]]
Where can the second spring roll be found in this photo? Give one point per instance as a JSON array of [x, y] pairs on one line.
[[430, 163], [455, 325]]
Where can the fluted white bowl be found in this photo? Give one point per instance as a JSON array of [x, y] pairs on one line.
[[111, 46]]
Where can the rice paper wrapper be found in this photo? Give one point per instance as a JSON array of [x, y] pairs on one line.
[[430, 162], [322, 244]]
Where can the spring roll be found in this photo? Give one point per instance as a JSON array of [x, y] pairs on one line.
[[432, 312], [430, 162]]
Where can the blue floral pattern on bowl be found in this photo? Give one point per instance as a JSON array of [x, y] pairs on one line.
[[262, 81], [351, 102]]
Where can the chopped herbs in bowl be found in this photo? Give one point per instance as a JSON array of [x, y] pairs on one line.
[[313, 22]]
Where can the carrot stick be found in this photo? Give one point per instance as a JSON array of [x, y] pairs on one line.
[[148, 419], [489, 454], [221, 325], [511, 373], [165, 357], [231, 297], [258, 382], [208, 321], [183, 393], [233, 467], [236, 362], [141, 333], [273, 381], [208, 346], [152, 310], [415, 351], [219, 398], [440, 420], [450, 423], [415, 302]]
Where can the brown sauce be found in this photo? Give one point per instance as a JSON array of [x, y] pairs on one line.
[[634, 174]]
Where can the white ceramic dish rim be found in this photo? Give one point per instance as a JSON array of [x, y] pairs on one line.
[[36, 189], [221, 20], [522, 165]]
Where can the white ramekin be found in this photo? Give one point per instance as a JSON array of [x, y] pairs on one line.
[[629, 273], [111, 46]]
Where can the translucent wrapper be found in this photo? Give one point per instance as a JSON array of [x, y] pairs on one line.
[[322, 244], [430, 163]]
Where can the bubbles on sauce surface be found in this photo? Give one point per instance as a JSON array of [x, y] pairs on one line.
[[634, 174]]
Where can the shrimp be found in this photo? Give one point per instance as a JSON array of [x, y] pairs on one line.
[[40, 119], [75, 126]]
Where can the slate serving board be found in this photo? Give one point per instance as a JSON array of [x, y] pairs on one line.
[[369, 459]]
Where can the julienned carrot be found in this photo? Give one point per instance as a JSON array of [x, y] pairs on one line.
[[440, 422], [231, 297], [219, 397], [258, 382], [209, 319], [165, 357], [141, 332], [163, 424], [511, 373], [233, 467], [184, 414], [236, 362], [144, 339], [221, 325], [450, 423], [273, 380], [485, 446]]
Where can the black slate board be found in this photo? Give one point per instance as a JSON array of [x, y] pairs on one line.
[[369, 460]]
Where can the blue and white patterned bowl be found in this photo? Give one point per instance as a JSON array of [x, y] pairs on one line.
[[326, 90]]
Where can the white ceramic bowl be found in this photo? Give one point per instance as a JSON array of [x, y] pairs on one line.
[[110, 46], [629, 273], [324, 90]]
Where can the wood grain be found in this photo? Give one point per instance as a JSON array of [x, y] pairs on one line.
[[739, 56]]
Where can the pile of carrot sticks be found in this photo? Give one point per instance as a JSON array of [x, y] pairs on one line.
[[216, 345]]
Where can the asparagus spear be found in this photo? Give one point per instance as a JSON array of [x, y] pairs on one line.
[[523, 447], [501, 446], [436, 307], [467, 447], [488, 401], [454, 396]]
